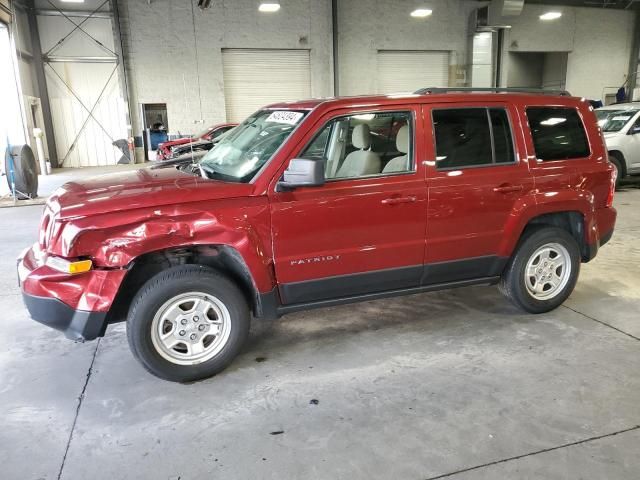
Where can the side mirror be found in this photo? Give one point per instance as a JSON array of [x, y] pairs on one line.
[[634, 130], [302, 172]]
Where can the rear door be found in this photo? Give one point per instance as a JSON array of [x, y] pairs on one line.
[[476, 178], [557, 136]]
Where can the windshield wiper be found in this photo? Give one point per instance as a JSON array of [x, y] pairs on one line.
[[213, 174]]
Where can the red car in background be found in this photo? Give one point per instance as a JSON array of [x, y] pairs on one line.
[[210, 134]]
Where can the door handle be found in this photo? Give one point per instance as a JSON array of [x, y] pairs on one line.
[[506, 188], [397, 200]]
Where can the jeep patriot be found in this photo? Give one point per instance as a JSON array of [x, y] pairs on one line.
[[325, 202]]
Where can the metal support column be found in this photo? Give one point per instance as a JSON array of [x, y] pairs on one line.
[[122, 73], [38, 66], [633, 60], [334, 25]]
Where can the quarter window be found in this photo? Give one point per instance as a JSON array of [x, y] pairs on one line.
[[502, 139], [364, 145], [558, 133], [471, 137]]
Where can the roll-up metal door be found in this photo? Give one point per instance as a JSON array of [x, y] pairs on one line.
[[407, 71], [255, 78], [5, 11]]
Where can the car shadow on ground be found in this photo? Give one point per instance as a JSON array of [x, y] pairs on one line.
[[629, 183], [425, 313]]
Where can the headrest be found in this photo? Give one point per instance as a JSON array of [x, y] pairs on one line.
[[360, 137], [402, 139]]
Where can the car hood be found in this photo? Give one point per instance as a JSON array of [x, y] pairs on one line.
[[196, 145], [608, 135], [138, 189]]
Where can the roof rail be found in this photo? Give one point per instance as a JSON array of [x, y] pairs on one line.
[[431, 90]]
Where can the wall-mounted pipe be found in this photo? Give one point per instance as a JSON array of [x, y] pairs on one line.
[[334, 28]]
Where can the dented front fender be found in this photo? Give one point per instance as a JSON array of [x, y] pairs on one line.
[[115, 239]]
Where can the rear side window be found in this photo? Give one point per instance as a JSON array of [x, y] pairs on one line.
[[472, 137], [558, 133]]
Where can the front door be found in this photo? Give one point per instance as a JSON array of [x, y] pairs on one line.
[[476, 180], [363, 231]]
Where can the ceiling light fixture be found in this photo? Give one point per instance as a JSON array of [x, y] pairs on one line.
[[72, 1], [269, 7], [550, 16], [550, 122], [421, 12]]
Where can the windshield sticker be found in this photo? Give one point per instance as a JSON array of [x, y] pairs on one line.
[[288, 117], [620, 118]]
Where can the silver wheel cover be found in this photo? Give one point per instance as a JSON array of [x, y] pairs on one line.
[[191, 328], [548, 271]]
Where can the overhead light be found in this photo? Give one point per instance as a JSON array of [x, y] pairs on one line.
[[72, 1], [550, 15], [550, 122], [269, 7], [421, 12]]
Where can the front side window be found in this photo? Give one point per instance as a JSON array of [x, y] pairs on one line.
[[365, 144], [472, 137], [245, 149], [558, 133], [614, 120]]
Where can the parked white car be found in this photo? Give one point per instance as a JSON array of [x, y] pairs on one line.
[[620, 124]]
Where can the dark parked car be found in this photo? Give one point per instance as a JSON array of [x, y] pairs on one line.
[[301, 207], [192, 147], [210, 134]]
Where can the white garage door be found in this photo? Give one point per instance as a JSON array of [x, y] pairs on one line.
[[407, 71], [255, 78]]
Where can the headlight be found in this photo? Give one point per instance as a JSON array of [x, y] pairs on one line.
[[71, 267]]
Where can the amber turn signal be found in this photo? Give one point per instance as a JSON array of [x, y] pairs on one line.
[[72, 267]]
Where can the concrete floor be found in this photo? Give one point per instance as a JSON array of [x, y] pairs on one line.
[[456, 384]]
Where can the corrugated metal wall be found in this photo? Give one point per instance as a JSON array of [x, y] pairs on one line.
[[87, 107]]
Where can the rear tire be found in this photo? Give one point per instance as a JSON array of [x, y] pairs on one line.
[[187, 323], [543, 271]]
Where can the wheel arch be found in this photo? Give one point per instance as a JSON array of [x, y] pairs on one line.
[[222, 258], [571, 221], [618, 153]]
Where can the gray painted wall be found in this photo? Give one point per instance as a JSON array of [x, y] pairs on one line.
[[366, 26], [598, 42], [160, 41]]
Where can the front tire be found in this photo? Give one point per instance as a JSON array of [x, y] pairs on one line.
[[544, 270], [187, 323]]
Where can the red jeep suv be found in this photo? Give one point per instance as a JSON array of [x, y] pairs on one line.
[[326, 202]]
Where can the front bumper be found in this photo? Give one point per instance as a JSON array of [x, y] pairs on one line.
[[78, 325], [77, 305]]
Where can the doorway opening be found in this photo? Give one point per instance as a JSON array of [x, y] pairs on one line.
[[156, 126], [546, 70]]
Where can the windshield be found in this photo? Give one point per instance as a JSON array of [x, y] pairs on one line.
[[614, 120], [245, 149]]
